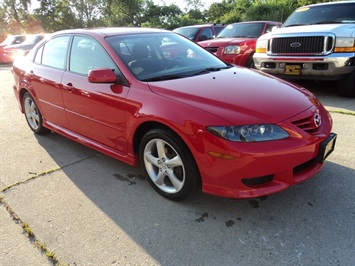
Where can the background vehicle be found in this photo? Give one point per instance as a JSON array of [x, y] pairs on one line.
[[10, 52], [189, 119], [199, 33], [316, 42], [235, 44], [12, 39]]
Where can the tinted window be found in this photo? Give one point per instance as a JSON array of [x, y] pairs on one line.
[[206, 34], [322, 14], [54, 52], [87, 54], [251, 30], [162, 56]]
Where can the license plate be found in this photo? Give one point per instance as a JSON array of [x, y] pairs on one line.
[[293, 70], [326, 147]]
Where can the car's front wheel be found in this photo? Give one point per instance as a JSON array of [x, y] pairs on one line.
[[32, 114], [168, 163]]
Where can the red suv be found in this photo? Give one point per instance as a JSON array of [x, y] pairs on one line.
[[235, 44], [197, 33]]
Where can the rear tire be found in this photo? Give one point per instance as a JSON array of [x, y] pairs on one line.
[[346, 86], [32, 114], [169, 165]]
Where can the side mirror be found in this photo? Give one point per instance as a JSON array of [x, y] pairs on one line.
[[102, 75]]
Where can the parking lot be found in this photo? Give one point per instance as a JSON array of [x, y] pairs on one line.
[[85, 208]]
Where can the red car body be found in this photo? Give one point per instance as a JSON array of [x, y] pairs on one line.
[[113, 117], [242, 35]]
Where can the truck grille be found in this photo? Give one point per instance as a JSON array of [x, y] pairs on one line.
[[302, 45], [212, 49]]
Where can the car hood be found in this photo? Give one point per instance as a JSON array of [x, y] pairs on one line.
[[342, 30], [224, 41], [238, 95]]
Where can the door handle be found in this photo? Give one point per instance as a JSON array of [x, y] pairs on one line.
[[69, 86]]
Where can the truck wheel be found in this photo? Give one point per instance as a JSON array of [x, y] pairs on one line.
[[346, 86], [250, 62]]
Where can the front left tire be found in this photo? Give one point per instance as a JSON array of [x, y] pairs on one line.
[[168, 163]]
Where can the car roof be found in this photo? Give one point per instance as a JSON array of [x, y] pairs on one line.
[[256, 21], [110, 31], [202, 25], [329, 3]]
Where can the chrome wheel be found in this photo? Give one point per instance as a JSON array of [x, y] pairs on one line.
[[169, 164], [164, 166], [32, 114]]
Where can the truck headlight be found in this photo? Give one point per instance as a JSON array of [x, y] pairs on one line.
[[261, 46], [344, 45], [249, 133], [232, 49]]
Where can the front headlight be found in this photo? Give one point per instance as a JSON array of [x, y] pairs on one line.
[[344, 45], [249, 133], [232, 49], [261, 46]]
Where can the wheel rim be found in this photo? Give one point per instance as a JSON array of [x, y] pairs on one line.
[[164, 166], [32, 114]]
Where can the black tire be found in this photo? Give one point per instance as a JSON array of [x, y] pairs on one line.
[[346, 86], [169, 165], [250, 62], [32, 114]]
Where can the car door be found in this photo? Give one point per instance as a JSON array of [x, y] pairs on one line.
[[45, 77], [94, 110]]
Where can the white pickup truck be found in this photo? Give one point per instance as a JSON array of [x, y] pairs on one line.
[[316, 42]]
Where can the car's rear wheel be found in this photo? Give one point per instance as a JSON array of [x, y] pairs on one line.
[[346, 86], [168, 163], [32, 114]]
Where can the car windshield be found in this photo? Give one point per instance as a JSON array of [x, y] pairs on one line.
[[32, 39], [163, 56], [9, 40], [322, 14], [250, 30], [189, 33]]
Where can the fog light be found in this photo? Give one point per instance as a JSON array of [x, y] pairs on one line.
[[306, 66], [282, 65]]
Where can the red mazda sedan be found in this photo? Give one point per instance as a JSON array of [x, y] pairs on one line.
[[190, 119]]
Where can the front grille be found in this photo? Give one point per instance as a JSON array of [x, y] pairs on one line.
[[250, 182], [301, 45], [306, 124], [212, 49]]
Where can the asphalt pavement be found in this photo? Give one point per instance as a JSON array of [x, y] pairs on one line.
[[63, 203]]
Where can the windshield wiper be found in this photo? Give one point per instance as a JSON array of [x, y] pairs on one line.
[[208, 70], [295, 25], [326, 22], [165, 77]]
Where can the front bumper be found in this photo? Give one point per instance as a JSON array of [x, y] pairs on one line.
[[263, 168], [330, 67]]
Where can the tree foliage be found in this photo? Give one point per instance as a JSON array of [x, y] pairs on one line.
[[32, 16]]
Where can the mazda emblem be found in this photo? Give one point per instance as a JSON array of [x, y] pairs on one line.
[[317, 119], [295, 44]]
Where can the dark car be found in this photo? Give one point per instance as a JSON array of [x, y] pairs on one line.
[[10, 40], [10, 52], [189, 119], [197, 33], [236, 43]]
